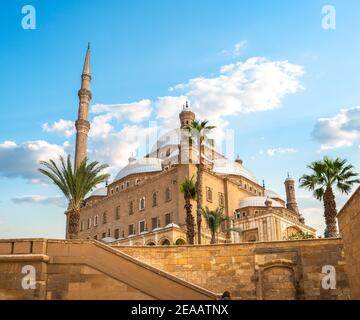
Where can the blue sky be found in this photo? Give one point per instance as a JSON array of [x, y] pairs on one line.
[[297, 73]]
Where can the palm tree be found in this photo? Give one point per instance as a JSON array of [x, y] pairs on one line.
[[74, 185], [188, 188], [214, 219], [200, 128], [326, 174]]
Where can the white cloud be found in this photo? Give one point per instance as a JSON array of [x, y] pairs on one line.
[[116, 147], [59, 201], [342, 130], [8, 145], [278, 151], [62, 127], [135, 112], [254, 85], [23, 160], [237, 50], [251, 86]]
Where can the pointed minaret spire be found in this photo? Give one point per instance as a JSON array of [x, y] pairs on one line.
[[82, 124], [86, 69]]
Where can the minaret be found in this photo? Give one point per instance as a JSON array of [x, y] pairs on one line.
[[291, 203], [82, 124], [186, 117]]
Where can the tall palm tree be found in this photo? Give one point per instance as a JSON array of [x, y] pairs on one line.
[[188, 188], [74, 185], [200, 129], [325, 175], [214, 219]]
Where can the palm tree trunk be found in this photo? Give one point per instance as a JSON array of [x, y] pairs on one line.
[[199, 199], [330, 212], [74, 217], [213, 238], [189, 222]]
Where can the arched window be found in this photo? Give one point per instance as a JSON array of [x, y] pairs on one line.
[[142, 203], [180, 242], [167, 194], [154, 199], [165, 242], [208, 194]]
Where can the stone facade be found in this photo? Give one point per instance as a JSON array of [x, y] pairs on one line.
[[74, 270], [145, 208], [87, 269], [349, 225], [274, 270]]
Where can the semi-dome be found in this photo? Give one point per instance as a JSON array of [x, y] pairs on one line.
[[271, 194], [100, 192], [258, 202], [144, 165], [227, 167]]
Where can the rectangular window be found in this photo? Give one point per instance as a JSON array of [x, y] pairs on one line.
[[103, 235], [142, 226], [95, 237], [89, 223], [82, 226], [109, 233], [167, 219], [154, 223], [117, 213], [96, 220], [131, 229], [117, 234]]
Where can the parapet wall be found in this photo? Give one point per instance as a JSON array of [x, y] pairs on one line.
[[271, 270]]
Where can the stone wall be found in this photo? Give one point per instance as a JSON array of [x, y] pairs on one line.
[[85, 270], [272, 270], [349, 223]]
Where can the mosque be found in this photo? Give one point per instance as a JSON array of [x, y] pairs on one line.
[[143, 204]]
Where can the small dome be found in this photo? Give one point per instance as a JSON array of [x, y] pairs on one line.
[[172, 225], [108, 239], [140, 166], [258, 202], [100, 192], [225, 166]]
